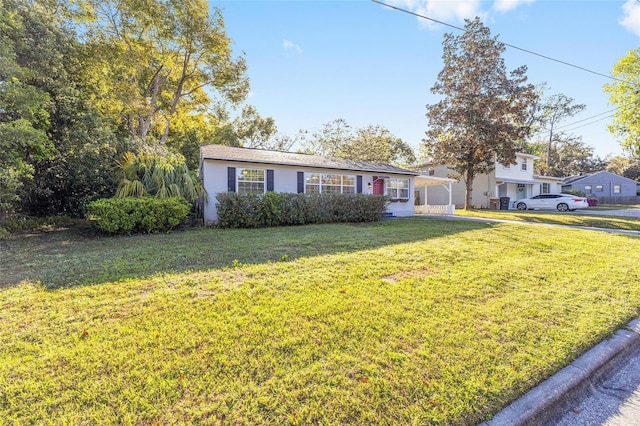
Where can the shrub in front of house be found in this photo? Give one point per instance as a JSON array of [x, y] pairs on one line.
[[130, 215], [281, 209]]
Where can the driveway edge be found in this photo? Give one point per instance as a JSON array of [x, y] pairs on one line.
[[548, 400]]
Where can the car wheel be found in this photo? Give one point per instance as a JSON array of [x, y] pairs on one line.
[[521, 206], [562, 207]]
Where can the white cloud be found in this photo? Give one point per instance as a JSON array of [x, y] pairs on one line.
[[448, 11], [631, 20], [507, 5], [289, 45]]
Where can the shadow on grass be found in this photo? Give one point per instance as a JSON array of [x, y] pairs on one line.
[[72, 257]]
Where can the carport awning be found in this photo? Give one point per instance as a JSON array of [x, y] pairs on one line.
[[432, 180], [530, 182]]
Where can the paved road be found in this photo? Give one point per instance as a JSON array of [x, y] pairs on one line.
[[614, 400], [600, 388]]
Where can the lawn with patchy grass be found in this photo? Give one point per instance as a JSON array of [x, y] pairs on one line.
[[628, 223], [406, 321]]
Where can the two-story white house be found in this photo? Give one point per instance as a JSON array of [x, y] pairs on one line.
[[515, 182]]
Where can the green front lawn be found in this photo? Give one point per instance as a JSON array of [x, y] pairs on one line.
[[406, 321], [552, 217]]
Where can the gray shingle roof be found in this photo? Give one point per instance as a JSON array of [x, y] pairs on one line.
[[261, 156]]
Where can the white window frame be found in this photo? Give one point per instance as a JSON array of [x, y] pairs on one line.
[[394, 190], [588, 189], [599, 188], [248, 181], [523, 167], [617, 188], [329, 183], [545, 188]]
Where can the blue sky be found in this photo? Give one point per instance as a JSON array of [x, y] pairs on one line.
[[310, 62]]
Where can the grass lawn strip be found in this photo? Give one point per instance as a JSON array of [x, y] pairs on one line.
[[443, 328], [573, 219]]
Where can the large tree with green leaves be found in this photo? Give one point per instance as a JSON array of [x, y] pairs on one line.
[[484, 112], [24, 117], [155, 59], [373, 143], [79, 145], [570, 157], [553, 110], [624, 92], [376, 144]]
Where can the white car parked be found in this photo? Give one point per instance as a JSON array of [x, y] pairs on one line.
[[561, 202]]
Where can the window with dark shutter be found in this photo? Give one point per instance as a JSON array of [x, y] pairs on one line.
[[359, 184], [231, 179], [270, 180]]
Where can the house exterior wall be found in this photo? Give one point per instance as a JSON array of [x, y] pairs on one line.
[[486, 186], [516, 171], [214, 174], [555, 184], [602, 185]]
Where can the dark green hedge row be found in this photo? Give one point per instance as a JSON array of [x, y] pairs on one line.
[[280, 209], [130, 215]]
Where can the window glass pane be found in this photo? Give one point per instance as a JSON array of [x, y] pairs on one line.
[[331, 179], [250, 181], [398, 188], [599, 188], [616, 189]]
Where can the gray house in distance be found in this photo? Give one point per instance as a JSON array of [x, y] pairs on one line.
[[601, 184]]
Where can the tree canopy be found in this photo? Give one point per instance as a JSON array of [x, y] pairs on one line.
[[153, 59], [569, 157], [83, 82], [624, 92], [372, 143], [484, 113]]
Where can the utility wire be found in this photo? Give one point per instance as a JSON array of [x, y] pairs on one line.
[[506, 44], [589, 124]]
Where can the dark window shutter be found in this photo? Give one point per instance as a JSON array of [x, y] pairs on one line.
[[300, 182], [231, 179], [270, 180], [359, 184]]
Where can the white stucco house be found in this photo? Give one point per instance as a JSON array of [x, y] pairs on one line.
[[246, 170], [513, 181]]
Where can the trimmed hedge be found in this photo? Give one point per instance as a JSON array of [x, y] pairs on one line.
[[130, 215], [281, 209]]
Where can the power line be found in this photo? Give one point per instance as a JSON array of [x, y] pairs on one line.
[[589, 124], [506, 44], [589, 118]]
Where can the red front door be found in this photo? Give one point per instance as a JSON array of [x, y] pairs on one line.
[[378, 187]]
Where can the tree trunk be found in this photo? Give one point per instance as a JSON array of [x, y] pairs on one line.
[[469, 190], [177, 95], [549, 147]]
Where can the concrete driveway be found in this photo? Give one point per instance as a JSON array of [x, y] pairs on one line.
[[625, 212]]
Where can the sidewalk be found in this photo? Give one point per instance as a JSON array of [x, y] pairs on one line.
[[602, 387]]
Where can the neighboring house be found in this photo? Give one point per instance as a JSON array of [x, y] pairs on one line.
[[601, 184], [245, 170], [515, 182], [549, 184]]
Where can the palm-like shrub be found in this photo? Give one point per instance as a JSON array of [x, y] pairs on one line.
[[157, 176]]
